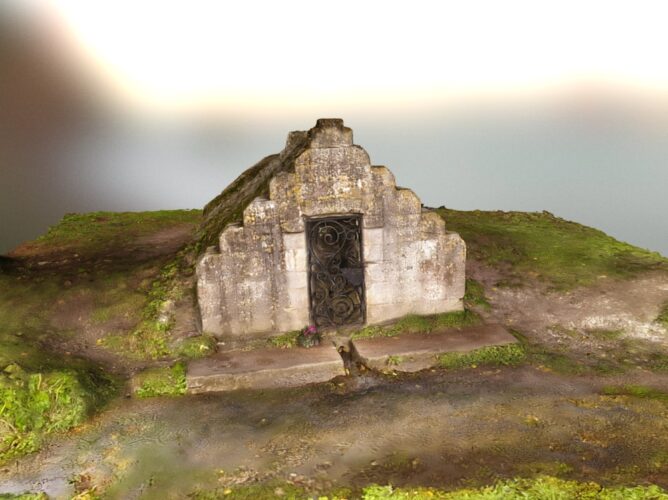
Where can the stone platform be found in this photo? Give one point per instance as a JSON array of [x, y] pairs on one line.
[[273, 367]]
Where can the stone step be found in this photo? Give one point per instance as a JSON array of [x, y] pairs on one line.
[[274, 368], [263, 368], [411, 353]]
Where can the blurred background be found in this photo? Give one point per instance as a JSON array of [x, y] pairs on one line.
[[515, 105]]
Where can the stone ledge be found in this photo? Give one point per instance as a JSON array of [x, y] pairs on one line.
[[275, 368]]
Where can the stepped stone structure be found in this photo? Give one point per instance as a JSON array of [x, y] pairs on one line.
[[316, 235]]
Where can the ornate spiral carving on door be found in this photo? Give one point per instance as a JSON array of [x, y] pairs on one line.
[[336, 270]]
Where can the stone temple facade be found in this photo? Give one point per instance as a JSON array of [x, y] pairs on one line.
[[316, 235]]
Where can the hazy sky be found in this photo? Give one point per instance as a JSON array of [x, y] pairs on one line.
[[521, 105]]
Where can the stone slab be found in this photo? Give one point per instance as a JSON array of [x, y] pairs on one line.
[[263, 369], [274, 368], [416, 352]]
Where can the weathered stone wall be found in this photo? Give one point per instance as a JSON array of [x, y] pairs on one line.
[[257, 284]]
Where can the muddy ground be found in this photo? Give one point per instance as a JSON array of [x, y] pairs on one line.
[[435, 428]]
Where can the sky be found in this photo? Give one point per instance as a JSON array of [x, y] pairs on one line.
[[515, 105]]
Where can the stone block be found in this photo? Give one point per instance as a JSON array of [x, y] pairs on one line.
[[298, 298], [374, 273], [296, 241], [381, 292], [295, 260], [296, 279]]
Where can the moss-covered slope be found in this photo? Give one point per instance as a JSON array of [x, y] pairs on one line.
[[562, 253]]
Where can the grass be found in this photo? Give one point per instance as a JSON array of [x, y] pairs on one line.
[[166, 381], [602, 334], [285, 340], [93, 232], [538, 488], [562, 253], [34, 405], [150, 337], [503, 355], [197, 347], [475, 295], [420, 324], [636, 391]]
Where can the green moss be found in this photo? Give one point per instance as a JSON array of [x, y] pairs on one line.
[[167, 381], [117, 303], [503, 355], [420, 324], [603, 334], [602, 366], [197, 347], [541, 487], [636, 391], [285, 340], [566, 364], [555, 362], [394, 360], [662, 318], [457, 319], [475, 294], [564, 254], [33, 405], [150, 339], [414, 324]]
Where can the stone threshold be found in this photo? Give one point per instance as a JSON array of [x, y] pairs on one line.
[[275, 368]]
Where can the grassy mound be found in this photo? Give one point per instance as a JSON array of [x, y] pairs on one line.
[[562, 253], [34, 405], [89, 277], [97, 232]]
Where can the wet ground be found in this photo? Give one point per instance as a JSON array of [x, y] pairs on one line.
[[437, 428], [448, 429]]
